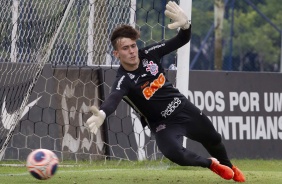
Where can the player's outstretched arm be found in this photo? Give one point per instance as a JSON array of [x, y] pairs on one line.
[[96, 120], [175, 13]]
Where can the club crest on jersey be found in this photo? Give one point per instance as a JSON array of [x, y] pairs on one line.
[[160, 127], [152, 68]]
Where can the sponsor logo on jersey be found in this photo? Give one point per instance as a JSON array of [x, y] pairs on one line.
[[154, 47], [120, 82], [152, 68], [145, 62], [149, 91], [144, 75], [136, 80], [171, 107], [131, 76], [160, 127], [144, 85]]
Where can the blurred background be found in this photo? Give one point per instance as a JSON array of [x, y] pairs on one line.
[[231, 35]]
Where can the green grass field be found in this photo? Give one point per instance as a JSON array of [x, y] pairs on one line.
[[256, 171]]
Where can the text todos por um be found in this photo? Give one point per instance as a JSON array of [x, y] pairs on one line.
[[245, 101]]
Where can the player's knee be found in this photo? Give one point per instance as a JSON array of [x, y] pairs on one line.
[[171, 152], [216, 139], [175, 155], [182, 157], [212, 140]]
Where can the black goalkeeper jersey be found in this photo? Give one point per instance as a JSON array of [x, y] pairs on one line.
[[146, 89]]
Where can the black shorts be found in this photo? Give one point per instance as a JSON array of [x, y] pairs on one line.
[[191, 123]]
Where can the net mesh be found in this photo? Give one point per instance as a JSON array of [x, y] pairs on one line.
[[26, 31]]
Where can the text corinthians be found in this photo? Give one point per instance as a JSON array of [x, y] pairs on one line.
[[242, 115]]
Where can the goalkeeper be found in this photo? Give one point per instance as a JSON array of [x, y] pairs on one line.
[[140, 81]]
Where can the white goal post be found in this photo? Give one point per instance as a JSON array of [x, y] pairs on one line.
[[183, 56], [183, 59]]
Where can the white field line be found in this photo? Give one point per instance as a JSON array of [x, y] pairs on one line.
[[78, 171]]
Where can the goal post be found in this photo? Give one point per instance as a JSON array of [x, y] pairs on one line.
[[183, 59], [183, 56]]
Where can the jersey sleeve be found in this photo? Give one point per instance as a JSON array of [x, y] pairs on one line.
[[120, 88], [162, 48]]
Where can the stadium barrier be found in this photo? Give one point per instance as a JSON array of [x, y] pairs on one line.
[[245, 109]]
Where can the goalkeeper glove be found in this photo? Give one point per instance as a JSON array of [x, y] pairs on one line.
[[96, 120], [175, 13]]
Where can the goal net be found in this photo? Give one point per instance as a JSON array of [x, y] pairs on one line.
[[27, 33], [55, 61]]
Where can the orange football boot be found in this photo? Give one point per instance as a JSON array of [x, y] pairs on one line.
[[222, 170], [238, 175]]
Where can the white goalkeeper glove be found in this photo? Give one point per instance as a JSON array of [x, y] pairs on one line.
[[96, 120], [175, 13]]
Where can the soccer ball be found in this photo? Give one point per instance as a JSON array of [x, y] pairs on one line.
[[42, 164]]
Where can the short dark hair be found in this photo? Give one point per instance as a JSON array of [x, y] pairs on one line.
[[124, 31]]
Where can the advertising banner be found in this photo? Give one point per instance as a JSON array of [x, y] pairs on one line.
[[245, 108]]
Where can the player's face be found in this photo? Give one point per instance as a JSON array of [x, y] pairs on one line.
[[127, 53]]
